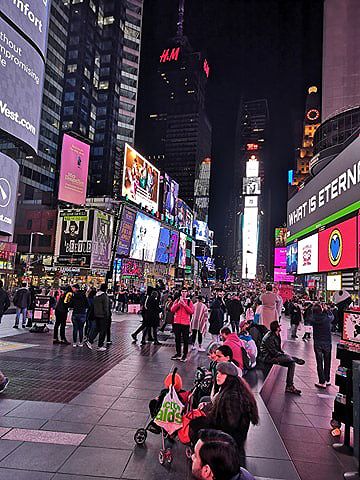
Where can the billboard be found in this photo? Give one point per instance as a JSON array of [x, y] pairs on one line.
[[201, 231], [22, 78], [351, 329], [73, 238], [338, 246], [182, 250], [32, 18], [280, 275], [162, 251], [251, 201], [292, 258], [9, 180], [280, 257], [334, 192], [145, 238], [140, 180], [252, 167], [74, 170], [125, 231], [308, 254], [131, 268], [101, 240], [7, 255], [184, 216], [170, 196], [280, 237], [333, 283], [174, 243], [250, 233], [252, 186]]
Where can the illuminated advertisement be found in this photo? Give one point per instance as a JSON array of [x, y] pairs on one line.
[[251, 201], [182, 250], [32, 18], [338, 246], [308, 254], [184, 216], [252, 186], [125, 231], [162, 251], [131, 268], [173, 248], [292, 258], [280, 237], [74, 170], [7, 255], [351, 329], [250, 233], [22, 78], [101, 240], [73, 238], [333, 283], [201, 231], [280, 257], [9, 179], [140, 180], [252, 167], [280, 275], [145, 238], [171, 193]]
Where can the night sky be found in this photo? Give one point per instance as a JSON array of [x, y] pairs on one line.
[[256, 49]]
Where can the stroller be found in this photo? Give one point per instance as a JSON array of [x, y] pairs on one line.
[[167, 410]]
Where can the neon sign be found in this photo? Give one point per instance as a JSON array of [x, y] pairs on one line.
[[252, 146], [170, 54], [206, 68]]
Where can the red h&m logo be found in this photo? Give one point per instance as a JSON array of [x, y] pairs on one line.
[[170, 54], [206, 68]]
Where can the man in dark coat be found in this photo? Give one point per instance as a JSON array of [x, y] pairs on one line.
[[101, 308], [321, 321], [153, 311], [235, 309], [216, 319], [4, 300], [22, 300]]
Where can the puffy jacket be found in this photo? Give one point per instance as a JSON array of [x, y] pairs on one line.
[[235, 309], [250, 347], [182, 311], [101, 305], [270, 347], [4, 301], [22, 298], [236, 345], [321, 323], [78, 302]]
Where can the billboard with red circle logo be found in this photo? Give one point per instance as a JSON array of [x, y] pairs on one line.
[[337, 246]]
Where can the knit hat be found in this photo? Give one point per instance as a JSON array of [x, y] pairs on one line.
[[227, 368], [177, 381]]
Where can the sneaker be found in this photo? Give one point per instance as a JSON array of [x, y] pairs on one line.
[[157, 343], [320, 385], [15, 326], [201, 349], [64, 342], [176, 357], [56, 341], [193, 347], [183, 359], [81, 344], [328, 384], [109, 342], [299, 361], [134, 337], [88, 344], [23, 326], [74, 344], [101, 349], [293, 390], [4, 384]]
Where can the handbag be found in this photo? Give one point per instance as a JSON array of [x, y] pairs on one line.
[[169, 416]]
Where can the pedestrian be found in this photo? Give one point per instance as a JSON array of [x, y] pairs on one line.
[[308, 316], [168, 316], [216, 319], [144, 323], [21, 300], [153, 310], [30, 312], [342, 300], [269, 310], [235, 310], [199, 323], [61, 312], [272, 353], [79, 305], [182, 309], [122, 299], [102, 310], [321, 321], [4, 300], [90, 325], [295, 319]]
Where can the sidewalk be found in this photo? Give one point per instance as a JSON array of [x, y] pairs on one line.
[[71, 413]]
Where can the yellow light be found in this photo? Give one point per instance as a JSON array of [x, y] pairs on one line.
[[313, 89]]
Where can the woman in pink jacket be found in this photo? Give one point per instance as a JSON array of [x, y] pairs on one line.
[[182, 308], [269, 311]]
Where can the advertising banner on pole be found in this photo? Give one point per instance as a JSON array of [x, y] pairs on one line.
[[9, 180], [174, 242], [125, 231], [162, 251], [101, 240]]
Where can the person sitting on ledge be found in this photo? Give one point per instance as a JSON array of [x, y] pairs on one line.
[[271, 353]]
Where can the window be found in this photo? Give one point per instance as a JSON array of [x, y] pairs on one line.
[[72, 68], [69, 96], [44, 241], [50, 224], [29, 225], [103, 85]]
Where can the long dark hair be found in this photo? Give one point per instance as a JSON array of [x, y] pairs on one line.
[[247, 403]]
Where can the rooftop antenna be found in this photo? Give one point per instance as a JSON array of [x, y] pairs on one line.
[[180, 23]]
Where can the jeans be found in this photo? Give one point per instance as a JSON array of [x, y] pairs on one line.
[[60, 321], [323, 361], [19, 311], [193, 337], [234, 322], [181, 333], [78, 321], [289, 362]]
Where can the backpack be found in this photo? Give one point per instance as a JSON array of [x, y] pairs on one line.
[[245, 359]]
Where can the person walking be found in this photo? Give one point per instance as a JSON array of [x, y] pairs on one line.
[[61, 312], [235, 310], [269, 311], [199, 323], [79, 304], [308, 314], [321, 322], [21, 300], [153, 310], [216, 319], [101, 310], [4, 300], [295, 319], [143, 324], [182, 309]]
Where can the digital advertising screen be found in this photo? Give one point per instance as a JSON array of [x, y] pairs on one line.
[[170, 196], [338, 246], [162, 251], [9, 181], [22, 78], [280, 257], [252, 186], [182, 250], [74, 170], [280, 237], [174, 243], [32, 18], [252, 167], [280, 275], [351, 329], [333, 283], [292, 258], [308, 254], [125, 231], [101, 240], [184, 216], [140, 180], [251, 201], [201, 231], [131, 268], [250, 236], [145, 238]]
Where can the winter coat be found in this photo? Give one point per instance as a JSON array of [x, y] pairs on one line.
[[78, 303], [295, 315], [308, 315], [61, 306], [235, 309], [236, 345], [182, 312], [269, 311], [153, 311], [216, 319], [270, 347], [321, 323], [250, 347], [22, 298], [200, 317], [4, 301], [101, 306]]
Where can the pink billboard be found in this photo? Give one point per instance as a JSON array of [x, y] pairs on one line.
[[280, 257], [74, 170], [280, 275]]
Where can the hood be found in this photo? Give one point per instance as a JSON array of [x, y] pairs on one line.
[[99, 293], [233, 338]]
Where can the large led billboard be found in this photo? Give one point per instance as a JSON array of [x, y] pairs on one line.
[[101, 240], [280, 275], [173, 248], [32, 18], [184, 216], [292, 258], [251, 201], [170, 196], [252, 186], [125, 231], [333, 193], [250, 233], [280, 257], [201, 231], [145, 238], [140, 180], [9, 179], [252, 167], [22, 77], [182, 250], [280, 236], [74, 170], [162, 251], [338, 246], [308, 254]]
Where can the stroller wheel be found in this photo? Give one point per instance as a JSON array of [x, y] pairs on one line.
[[162, 457], [140, 436], [188, 452], [168, 455]]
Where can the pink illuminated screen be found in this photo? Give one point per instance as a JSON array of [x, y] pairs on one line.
[[74, 170], [280, 275], [280, 257]]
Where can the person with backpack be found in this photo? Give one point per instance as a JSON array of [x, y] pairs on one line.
[[4, 300], [61, 312], [237, 347], [182, 309], [249, 345]]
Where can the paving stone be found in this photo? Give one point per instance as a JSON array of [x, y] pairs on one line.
[[110, 437], [70, 427], [43, 436], [125, 419], [80, 413], [40, 410], [14, 474]]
